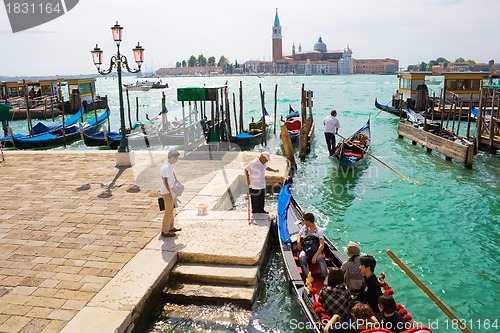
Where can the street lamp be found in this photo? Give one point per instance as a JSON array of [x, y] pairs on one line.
[[119, 61]]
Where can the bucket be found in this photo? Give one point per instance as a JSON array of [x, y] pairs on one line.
[[202, 208]]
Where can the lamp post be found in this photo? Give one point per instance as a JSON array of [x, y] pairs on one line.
[[119, 61]]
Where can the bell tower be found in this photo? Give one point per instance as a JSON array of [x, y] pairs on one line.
[[277, 39]]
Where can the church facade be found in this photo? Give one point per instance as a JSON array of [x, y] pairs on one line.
[[318, 61]]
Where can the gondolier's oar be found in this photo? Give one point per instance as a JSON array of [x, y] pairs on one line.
[[428, 292], [378, 159]]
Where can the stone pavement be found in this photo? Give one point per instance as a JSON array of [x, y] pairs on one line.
[[71, 221]]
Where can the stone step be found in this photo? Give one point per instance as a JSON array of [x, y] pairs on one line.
[[215, 274], [187, 293]]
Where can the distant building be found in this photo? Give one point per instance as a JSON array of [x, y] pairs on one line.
[[189, 71], [318, 61], [376, 66]]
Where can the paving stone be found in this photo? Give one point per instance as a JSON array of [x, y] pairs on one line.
[[83, 243]]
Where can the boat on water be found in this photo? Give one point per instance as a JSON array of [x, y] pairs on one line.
[[159, 85], [390, 109], [43, 97], [102, 138], [139, 86], [45, 127], [350, 152], [307, 290], [293, 124], [62, 136], [251, 137]]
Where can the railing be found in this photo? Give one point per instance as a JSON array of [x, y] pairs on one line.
[[20, 102]]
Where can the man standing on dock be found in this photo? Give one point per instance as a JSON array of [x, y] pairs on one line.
[[167, 183], [255, 173], [332, 126]]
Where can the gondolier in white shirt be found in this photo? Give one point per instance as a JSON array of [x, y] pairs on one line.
[[255, 173], [332, 126]]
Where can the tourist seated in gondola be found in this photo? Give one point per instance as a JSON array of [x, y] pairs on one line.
[[335, 297], [310, 243], [390, 318], [362, 319], [350, 267], [371, 290]]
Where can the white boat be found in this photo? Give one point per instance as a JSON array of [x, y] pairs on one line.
[[139, 86]]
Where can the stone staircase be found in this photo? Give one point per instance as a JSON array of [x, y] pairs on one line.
[[200, 283]]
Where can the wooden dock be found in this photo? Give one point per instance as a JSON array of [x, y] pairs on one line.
[[450, 149]]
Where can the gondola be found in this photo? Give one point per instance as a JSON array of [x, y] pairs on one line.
[[390, 109], [305, 290], [58, 138], [350, 152], [293, 124], [45, 127], [249, 138], [102, 138], [289, 224], [110, 138]]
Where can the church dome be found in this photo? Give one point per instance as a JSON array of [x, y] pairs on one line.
[[320, 46]]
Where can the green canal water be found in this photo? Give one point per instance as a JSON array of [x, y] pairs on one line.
[[444, 225]]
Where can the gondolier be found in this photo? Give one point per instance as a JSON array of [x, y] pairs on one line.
[[255, 173], [332, 126]]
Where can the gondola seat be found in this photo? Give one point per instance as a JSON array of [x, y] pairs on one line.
[[293, 125]]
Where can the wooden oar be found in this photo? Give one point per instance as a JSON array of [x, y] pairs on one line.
[[429, 293], [378, 159]]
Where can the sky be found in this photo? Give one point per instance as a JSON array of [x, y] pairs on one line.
[[172, 31]]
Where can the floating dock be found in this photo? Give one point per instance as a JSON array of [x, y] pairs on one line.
[[79, 244], [450, 149]]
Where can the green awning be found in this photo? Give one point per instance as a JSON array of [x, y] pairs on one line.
[[197, 94], [4, 112]]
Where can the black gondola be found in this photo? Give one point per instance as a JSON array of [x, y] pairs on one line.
[[307, 292]]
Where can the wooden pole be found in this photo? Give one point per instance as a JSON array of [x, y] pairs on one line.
[[128, 105], [304, 129], [52, 107], [468, 117], [164, 119], [93, 104], [262, 103], [479, 120], [492, 123], [228, 113], [109, 118], [234, 112], [427, 291], [303, 104], [451, 110], [63, 125], [433, 101], [459, 116], [378, 159], [26, 101], [275, 105], [454, 115], [137, 108], [241, 107], [287, 145], [441, 106]]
